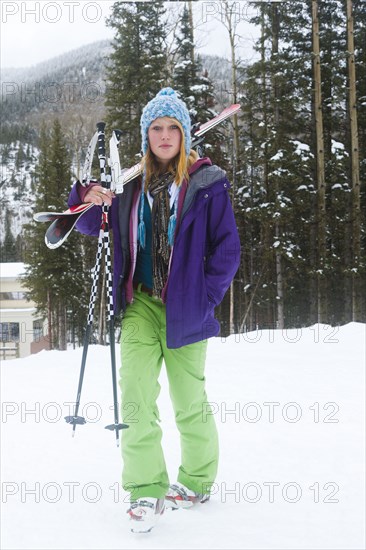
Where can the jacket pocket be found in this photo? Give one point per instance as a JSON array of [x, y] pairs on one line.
[[210, 303], [210, 300]]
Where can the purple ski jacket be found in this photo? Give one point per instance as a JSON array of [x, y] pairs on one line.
[[204, 258]]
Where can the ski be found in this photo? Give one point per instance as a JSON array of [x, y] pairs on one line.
[[62, 223], [226, 113], [52, 216], [86, 175]]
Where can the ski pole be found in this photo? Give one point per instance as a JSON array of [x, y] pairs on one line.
[[75, 419], [105, 179]]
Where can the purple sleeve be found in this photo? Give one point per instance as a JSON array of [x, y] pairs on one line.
[[90, 222], [223, 255]]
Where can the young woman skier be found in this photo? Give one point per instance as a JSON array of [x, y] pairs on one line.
[[176, 251]]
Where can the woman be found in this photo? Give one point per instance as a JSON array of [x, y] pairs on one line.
[[176, 250]]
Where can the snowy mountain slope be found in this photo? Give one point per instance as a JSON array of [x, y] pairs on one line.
[[73, 83], [290, 409], [56, 65], [69, 82], [16, 194]]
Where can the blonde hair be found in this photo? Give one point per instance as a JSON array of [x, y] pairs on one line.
[[178, 166]]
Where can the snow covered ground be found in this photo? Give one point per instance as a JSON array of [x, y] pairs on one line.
[[290, 409]]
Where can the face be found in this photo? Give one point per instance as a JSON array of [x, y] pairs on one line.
[[165, 139]]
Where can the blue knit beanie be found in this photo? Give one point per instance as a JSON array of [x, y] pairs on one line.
[[166, 103]]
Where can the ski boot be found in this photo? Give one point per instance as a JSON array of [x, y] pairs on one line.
[[144, 513], [180, 496]]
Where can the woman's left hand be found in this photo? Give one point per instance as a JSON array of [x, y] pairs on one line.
[[98, 195]]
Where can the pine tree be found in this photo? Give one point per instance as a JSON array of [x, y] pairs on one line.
[[8, 251], [54, 277], [185, 75], [137, 69], [196, 88]]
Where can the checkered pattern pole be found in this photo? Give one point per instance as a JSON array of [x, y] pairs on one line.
[[108, 263], [98, 137], [96, 272], [76, 419], [105, 178]]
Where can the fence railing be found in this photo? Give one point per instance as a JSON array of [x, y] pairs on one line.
[[9, 350]]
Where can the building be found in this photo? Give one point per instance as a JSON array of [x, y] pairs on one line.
[[22, 331]]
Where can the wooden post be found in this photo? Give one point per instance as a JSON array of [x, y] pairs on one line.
[[320, 168], [275, 94], [355, 166]]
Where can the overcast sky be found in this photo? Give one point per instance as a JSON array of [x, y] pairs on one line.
[[35, 31]]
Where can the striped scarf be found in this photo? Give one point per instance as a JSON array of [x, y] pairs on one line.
[[160, 215]]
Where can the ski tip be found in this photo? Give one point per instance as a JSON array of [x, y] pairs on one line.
[[52, 246]]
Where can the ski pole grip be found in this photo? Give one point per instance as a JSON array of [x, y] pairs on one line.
[[101, 138], [118, 134]]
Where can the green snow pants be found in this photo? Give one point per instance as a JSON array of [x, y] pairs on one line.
[[143, 348]]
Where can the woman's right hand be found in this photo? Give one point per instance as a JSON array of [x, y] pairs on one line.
[[99, 195]]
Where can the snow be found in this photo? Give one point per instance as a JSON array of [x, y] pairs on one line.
[[337, 145], [302, 149], [12, 270], [300, 146], [277, 156], [290, 410], [183, 64], [197, 88], [338, 149], [17, 309], [16, 195]]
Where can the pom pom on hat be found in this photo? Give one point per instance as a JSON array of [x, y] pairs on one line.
[[166, 103], [167, 91]]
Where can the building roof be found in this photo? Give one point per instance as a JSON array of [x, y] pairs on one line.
[[17, 309], [12, 270]]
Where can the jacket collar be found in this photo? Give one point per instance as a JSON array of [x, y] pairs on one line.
[[200, 162]]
